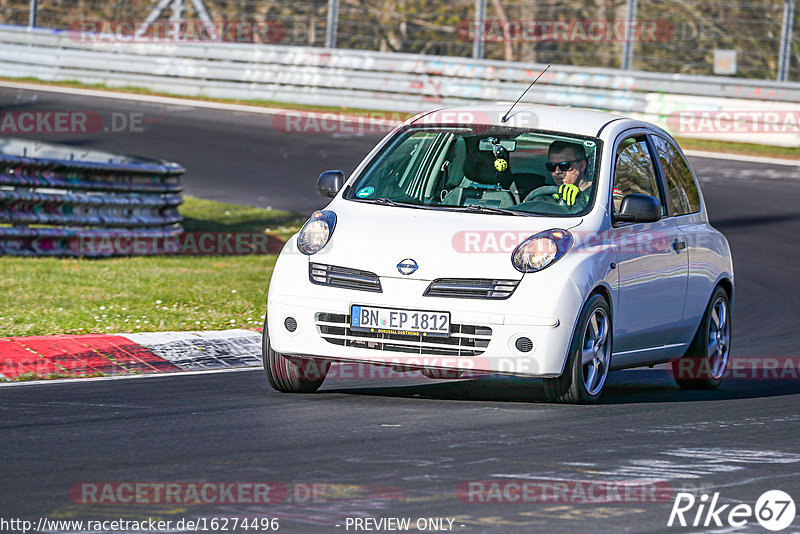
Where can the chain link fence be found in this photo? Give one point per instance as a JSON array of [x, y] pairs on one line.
[[740, 38]]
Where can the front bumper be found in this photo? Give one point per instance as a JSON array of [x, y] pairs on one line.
[[543, 308]]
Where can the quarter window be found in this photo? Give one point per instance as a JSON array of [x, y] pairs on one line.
[[634, 171], [682, 189]]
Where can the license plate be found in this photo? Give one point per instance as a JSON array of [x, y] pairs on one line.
[[399, 321]]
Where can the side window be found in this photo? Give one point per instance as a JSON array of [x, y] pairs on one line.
[[634, 171], [682, 189]]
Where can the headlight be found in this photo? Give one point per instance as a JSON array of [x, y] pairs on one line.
[[316, 232], [541, 250]]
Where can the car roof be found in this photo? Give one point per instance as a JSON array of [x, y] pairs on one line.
[[554, 118]]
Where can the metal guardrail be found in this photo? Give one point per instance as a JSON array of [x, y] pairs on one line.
[[60, 201], [374, 80]]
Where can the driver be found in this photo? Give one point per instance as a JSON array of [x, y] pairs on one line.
[[567, 163]]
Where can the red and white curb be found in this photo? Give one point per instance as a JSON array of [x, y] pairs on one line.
[[127, 354]]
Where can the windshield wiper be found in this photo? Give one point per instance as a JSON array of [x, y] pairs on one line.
[[389, 202], [480, 208], [385, 201]]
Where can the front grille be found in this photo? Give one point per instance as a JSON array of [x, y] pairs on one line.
[[464, 340], [344, 277], [471, 288]]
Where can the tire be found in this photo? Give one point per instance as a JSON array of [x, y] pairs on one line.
[[703, 365], [295, 375], [589, 359]]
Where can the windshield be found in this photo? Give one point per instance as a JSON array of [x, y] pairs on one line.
[[511, 171]]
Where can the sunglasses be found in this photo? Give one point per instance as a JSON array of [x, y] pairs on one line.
[[563, 165]]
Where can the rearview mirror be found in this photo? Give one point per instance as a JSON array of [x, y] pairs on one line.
[[489, 143], [329, 183], [637, 208]]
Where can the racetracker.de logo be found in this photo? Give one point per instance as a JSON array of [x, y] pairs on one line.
[[505, 241], [177, 493], [205, 492], [395, 367], [108, 31], [734, 122], [573, 31], [743, 368], [184, 244], [313, 122], [70, 122], [335, 123], [564, 491]]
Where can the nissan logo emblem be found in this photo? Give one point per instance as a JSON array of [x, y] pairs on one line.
[[407, 266]]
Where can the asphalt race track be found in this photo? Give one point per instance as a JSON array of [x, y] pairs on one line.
[[407, 447]]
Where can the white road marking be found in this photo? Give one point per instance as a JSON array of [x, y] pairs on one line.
[[203, 350], [737, 455]]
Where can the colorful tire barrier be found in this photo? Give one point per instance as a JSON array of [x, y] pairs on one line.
[[51, 202]]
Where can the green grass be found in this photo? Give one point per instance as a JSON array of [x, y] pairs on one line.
[[145, 294], [209, 216]]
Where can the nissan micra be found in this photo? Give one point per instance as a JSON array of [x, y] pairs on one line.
[[548, 242]]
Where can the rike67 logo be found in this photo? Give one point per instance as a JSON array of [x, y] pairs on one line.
[[774, 510]]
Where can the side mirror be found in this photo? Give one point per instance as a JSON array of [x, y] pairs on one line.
[[329, 183], [638, 208]]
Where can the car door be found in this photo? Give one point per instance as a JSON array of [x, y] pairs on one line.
[[652, 263], [685, 206]]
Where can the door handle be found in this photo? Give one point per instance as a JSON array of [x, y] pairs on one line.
[[678, 245]]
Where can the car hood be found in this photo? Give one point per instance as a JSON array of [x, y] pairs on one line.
[[444, 244]]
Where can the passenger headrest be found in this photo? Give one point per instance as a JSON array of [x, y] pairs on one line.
[[479, 167]]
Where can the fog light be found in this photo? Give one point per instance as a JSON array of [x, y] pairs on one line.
[[290, 324], [523, 344]]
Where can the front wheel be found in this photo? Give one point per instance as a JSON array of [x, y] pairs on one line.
[[704, 363], [589, 357], [295, 375]]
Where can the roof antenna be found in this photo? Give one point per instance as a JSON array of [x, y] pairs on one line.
[[505, 117]]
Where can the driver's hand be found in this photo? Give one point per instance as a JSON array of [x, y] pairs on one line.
[[569, 193]]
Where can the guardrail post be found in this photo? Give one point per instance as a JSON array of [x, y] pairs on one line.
[[333, 20], [786, 40], [627, 46], [178, 15], [34, 8], [478, 49]]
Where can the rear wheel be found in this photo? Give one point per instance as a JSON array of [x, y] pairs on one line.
[[703, 365], [589, 358], [292, 375]]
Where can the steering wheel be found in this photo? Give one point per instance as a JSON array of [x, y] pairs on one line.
[[541, 200], [543, 193]]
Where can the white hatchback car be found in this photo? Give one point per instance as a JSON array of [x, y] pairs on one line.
[[553, 243]]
